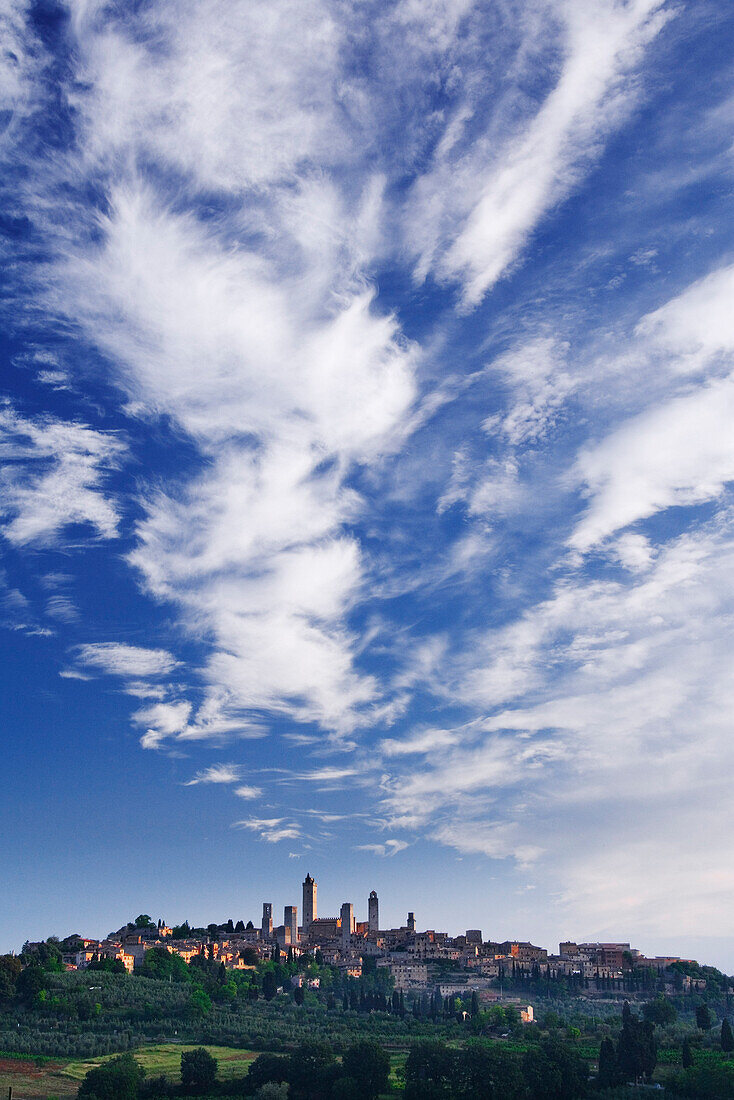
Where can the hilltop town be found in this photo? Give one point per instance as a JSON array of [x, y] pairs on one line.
[[416, 961]]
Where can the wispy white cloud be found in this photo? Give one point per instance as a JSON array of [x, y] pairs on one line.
[[21, 66], [248, 792], [254, 549], [144, 689], [217, 773], [494, 839], [500, 197], [595, 698], [119, 659], [273, 829], [540, 386], [325, 775], [57, 379], [419, 743], [679, 451], [162, 720], [389, 848], [63, 608], [53, 477], [18, 614]]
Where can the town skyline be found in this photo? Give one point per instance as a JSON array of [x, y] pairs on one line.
[[414, 958], [305, 924]]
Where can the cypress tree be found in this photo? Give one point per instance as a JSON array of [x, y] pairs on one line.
[[727, 1038], [608, 1074]]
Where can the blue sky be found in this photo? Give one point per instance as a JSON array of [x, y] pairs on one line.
[[366, 426]]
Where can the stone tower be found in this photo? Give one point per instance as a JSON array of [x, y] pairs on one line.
[[290, 921], [373, 913], [347, 916], [267, 923], [309, 903]]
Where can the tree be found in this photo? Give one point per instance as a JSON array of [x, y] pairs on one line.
[[143, 921], [708, 1080], [30, 984], [661, 1011], [240, 926], [474, 1003], [118, 1079], [686, 1056], [369, 1065], [269, 985], [107, 966], [346, 1088], [249, 956], [703, 1017], [299, 995], [485, 1071], [608, 1071], [429, 1072], [160, 963], [727, 1038], [46, 955], [200, 1003], [198, 1070], [273, 1090], [555, 1072], [636, 1050], [311, 1070], [10, 970], [266, 1069], [158, 1088]]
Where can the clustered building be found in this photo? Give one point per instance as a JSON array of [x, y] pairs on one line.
[[345, 943]]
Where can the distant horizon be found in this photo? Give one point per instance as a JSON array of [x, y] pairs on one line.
[[367, 485]]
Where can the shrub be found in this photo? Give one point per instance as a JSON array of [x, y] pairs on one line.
[[273, 1090], [118, 1079], [198, 1069]]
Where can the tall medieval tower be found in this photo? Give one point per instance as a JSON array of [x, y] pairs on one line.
[[309, 902], [373, 913]]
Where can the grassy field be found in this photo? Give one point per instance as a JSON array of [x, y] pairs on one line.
[[45, 1079]]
